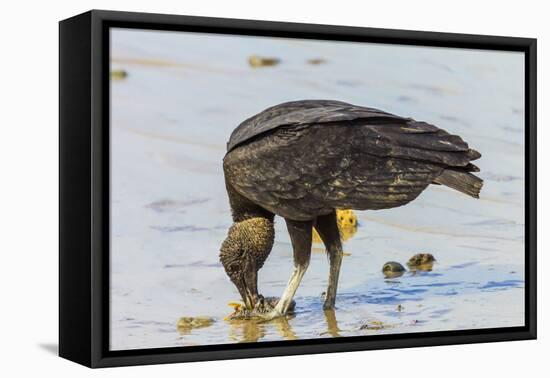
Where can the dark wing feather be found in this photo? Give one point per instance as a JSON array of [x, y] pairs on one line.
[[318, 169], [414, 140], [302, 169], [300, 113]]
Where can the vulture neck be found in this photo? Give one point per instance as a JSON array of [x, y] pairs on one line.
[[243, 209], [252, 229]]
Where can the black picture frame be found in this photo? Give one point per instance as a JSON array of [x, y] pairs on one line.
[[84, 187]]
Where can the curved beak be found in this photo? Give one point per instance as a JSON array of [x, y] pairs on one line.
[[247, 284]]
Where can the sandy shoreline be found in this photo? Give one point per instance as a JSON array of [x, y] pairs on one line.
[[170, 212]]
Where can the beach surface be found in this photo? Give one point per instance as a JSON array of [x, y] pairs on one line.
[[171, 117]]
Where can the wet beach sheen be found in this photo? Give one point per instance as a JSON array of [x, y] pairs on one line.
[[171, 116]]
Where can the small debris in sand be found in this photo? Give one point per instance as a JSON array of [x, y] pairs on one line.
[[167, 205], [187, 323], [316, 61], [374, 325], [259, 61], [393, 269], [421, 259], [119, 74], [421, 262]]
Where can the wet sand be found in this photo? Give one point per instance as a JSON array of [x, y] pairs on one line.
[[171, 117]]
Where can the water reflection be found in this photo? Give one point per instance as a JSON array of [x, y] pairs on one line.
[[414, 269], [332, 324], [188, 323], [166, 231], [252, 330], [246, 331], [284, 329]]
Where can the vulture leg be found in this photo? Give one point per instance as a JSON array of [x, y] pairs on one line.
[[300, 236], [327, 227]]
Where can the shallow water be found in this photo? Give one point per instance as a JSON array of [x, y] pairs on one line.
[[171, 117]]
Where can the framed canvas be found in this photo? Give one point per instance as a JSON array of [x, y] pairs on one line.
[[234, 188]]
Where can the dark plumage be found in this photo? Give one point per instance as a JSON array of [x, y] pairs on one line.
[[302, 160]]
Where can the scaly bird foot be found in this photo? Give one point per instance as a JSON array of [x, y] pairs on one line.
[[273, 314], [329, 305]]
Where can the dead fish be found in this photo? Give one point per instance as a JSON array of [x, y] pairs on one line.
[[259, 61]]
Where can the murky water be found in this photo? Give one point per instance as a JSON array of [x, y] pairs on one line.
[[171, 117]]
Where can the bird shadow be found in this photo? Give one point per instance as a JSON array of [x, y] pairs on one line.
[[50, 348]]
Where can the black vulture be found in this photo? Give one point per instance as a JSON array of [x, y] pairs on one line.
[[302, 160]]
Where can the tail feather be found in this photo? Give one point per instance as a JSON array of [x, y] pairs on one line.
[[460, 180]]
